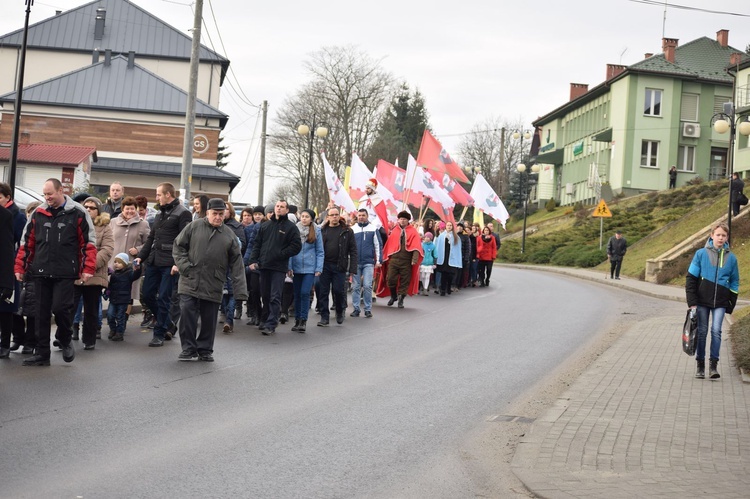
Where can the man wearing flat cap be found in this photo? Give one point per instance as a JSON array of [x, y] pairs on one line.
[[402, 255], [616, 249], [203, 252]]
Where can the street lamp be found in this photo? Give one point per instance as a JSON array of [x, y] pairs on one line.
[[525, 179], [728, 121], [306, 130]]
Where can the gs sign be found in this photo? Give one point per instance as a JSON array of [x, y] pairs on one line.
[[200, 143]]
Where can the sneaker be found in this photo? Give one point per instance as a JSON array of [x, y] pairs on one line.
[[206, 357], [354, 314], [187, 355], [110, 335], [151, 324], [323, 323], [56, 343], [284, 318], [368, 314], [117, 337], [227, 329], [252, 322], [146, 321], [89, 347], [69, 353], [268, 331], [36, 360], [156, 342], [14, 346], [99, 333]]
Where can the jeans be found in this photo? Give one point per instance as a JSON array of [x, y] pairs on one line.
[[474, 266], [303, 284], [363, 279], [332, 278], [157, 294], [717, 317], [116, 317], [79, 312]]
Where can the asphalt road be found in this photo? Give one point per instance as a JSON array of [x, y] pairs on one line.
[[372, 408]]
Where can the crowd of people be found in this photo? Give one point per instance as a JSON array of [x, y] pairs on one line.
[[191, 270]]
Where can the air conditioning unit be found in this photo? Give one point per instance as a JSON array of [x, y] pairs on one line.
[[570, 189], [692, 130]]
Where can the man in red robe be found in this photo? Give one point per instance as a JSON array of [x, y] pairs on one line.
[[402, 255]]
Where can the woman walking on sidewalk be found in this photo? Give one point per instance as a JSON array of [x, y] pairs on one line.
[[712, 284]]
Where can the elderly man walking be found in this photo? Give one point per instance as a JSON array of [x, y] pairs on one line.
[[203, 252]]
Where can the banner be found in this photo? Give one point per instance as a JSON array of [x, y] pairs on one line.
[[336, 189], [394, 179], [486, 200], [381, 205], [433, 157]]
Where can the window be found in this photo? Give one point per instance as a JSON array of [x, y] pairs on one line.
[[689, 107], [686, 158], [649, 152], [652, 105], [719, 101]]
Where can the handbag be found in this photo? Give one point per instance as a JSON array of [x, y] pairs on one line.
[[742, 199], [690, 332]]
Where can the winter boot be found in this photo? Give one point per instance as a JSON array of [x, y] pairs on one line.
[[76, 331], [302, 327], [700, 371], [295, 328], [712, 372], [401, 301], [394, 297]]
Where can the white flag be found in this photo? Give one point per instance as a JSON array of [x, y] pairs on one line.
[[423, 183], [486, 200], [336, 188]]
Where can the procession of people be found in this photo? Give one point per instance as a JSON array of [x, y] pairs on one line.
[[191, 270]]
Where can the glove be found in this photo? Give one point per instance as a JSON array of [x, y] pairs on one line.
[[5, 294]]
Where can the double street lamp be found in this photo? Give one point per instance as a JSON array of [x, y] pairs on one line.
[[728, 121], [306, 130], [527, 180]]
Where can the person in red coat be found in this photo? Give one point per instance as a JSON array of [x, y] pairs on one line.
[[402, 255], [486, 253]]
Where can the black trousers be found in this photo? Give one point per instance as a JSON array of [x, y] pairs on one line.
[[253, 293], [485, 271], [271, 288], [332, 281], [191, 311], [54, 297], [91, 296], [446, 280], [287, 297], [614, 267]]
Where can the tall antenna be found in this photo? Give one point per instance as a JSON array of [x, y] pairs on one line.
[[622, 54], [664, 22]]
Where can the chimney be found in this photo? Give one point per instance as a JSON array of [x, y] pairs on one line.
[[578, 89], [131, 59], [722, 36], [108, 57], [95, 56], [614, 70], [668, 45], [101, 15], [25, 138], [648, 55], [735, 58], [58, 12]]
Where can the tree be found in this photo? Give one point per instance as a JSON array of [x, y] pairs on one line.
[[481, 148], [401, 129], [349, 92], [221, 154]]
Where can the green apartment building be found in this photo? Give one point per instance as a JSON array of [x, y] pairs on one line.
[[622, 136]]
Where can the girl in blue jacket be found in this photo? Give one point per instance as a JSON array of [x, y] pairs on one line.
[[712, 284], [305, 266], [428, 263]]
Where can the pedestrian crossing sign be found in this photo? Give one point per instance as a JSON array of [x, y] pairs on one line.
[[602, 210]]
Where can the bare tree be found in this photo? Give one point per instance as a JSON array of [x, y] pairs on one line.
[[481, 148], [348, 92]]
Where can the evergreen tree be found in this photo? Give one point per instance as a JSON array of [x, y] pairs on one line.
[[221, 154]]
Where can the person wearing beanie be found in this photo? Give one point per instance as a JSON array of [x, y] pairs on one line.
[[120, 292], [427, 266], [253, 277], [402, 256], [88, 294]]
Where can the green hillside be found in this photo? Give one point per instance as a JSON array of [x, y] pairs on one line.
[[652, 224]]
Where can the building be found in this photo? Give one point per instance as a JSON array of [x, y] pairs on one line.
[[622, 136], [110, 76]]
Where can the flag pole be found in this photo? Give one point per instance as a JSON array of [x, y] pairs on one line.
[[463, 213], [408, 190], [422, 208]]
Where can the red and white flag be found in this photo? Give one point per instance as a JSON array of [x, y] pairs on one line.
[[336, 189], [377, 203], [394, 179], [436, 160], [424, 185], [488, 201]]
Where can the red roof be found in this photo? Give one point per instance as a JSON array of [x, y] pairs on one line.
[[51, 154]]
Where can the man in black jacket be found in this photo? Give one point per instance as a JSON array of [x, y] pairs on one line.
[[275, 243], [159, 280], [340, 259]]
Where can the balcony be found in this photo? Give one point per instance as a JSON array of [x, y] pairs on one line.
[[743, 99]]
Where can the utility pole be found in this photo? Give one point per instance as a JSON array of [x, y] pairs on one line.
[[17, 109], [502, 160], [186, 176], [262, 171]]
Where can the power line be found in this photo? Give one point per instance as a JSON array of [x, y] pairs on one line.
[[658, 3]]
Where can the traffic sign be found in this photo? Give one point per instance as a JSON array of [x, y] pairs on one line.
[[602, 210]]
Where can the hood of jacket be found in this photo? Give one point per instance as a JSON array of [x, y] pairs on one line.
[[713, 252]]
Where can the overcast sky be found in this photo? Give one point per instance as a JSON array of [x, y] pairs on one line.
[[470, 59]]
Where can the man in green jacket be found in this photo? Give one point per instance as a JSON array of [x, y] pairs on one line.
[[203, 252]]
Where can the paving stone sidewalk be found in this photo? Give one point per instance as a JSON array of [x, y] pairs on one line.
[[638, 424]]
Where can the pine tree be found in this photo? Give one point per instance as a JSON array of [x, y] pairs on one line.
[[221, 154]]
